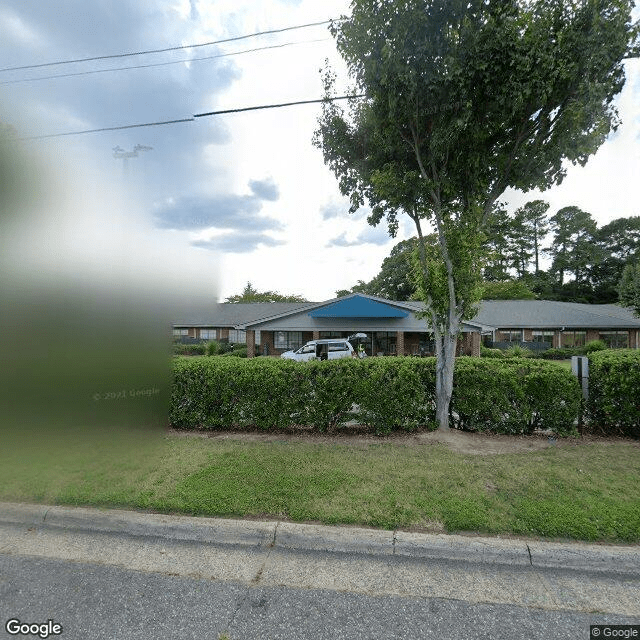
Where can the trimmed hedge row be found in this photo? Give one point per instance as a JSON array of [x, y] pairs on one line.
[[514, 396], [613, 407], [387, 394]]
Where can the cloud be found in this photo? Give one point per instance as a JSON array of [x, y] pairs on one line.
[[370, 235], [265, 189], [340, 210], [374, 235], [237, 242], [341, 241], [223, 211], [240, 213], [332, 210], [78, 29]]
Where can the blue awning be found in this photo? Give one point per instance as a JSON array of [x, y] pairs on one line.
[[358, 307]]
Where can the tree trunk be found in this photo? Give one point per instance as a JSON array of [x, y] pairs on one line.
[[445, 361]]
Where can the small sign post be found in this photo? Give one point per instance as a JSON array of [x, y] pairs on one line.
[[580, 368]]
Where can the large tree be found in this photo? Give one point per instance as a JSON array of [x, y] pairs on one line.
[[531, 225], [251, 294], [395, 280], [629, 287], [463, 99], [574, 247], [619, 243], [499, 258]]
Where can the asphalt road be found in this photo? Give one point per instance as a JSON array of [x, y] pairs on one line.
[[119, 575]]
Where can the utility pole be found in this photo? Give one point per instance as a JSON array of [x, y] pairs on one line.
[[120, 154]]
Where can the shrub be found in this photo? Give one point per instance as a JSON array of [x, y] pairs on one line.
[[486, 352], [239, 351], [594, 345], [516, 351], [213, 348], [197, 349], [613, 407], [514, 395], [333, 388], [563, 353], [397, 394]]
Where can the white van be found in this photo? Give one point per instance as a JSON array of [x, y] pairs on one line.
[[329, 349]]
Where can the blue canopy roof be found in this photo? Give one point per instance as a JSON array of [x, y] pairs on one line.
[[358, 307]]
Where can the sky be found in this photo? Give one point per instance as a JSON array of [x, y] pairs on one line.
[[214, 203]]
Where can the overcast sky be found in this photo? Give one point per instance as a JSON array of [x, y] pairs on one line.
[[239, 197]]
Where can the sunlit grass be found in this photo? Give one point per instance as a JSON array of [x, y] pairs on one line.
[[587, 492]]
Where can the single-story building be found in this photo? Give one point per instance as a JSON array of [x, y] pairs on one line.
[[394, 327], [558, 324]]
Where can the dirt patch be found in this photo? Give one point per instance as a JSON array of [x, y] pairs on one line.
[[458, 441]]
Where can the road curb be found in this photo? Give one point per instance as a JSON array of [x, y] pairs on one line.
[[309, 537]]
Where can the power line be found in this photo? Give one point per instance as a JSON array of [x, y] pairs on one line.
[[273, 106], [177, 48], [162, 64], [189, 119], [117, 128]]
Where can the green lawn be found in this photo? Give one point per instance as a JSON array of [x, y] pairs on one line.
[[585, 492]]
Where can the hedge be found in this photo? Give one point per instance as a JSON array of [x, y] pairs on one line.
[[386, 394], [514, 396], [613, 407]]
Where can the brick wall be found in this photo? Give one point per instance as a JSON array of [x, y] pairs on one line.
[[400, 343], [469, 345], [251, 343], [411, 343]]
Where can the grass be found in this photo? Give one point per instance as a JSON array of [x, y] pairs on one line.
[[587, 492]]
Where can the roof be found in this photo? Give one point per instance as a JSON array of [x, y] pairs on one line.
[[373, 313], [224, 314], [552, 314]]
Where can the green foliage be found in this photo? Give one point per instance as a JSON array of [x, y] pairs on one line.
[[486, 352], [574, 247], [391, 394], [629, 287], [397, 394], [237, 351], [514, 396], [395, 281], [506, 290], [213, 348], [562, 353], [594, 345], [250, 294], [180, 349], [462, 101], [613, 407], [517, 351]]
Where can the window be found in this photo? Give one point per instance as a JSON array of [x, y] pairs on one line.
[[181, 332], [615, 339], [338, 346], [573, 338], [384, 342], [543, 336], [237, 336], [287, 339], [310, 348], [514, 335], [208, 334]]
